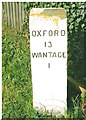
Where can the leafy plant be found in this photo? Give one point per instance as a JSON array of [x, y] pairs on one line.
[[76, 111], [83, 97], [16, 74]]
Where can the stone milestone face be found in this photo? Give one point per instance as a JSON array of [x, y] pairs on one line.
[[48, 45]]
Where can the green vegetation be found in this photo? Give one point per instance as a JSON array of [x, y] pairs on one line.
[[16, 66], [83, 97], [16, 74]]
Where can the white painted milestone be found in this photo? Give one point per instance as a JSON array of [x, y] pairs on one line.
[[48, 46]]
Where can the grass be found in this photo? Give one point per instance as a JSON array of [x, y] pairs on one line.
[[16, 80]]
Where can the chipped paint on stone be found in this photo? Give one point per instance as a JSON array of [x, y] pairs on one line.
[[48, 12], [53, 14]]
